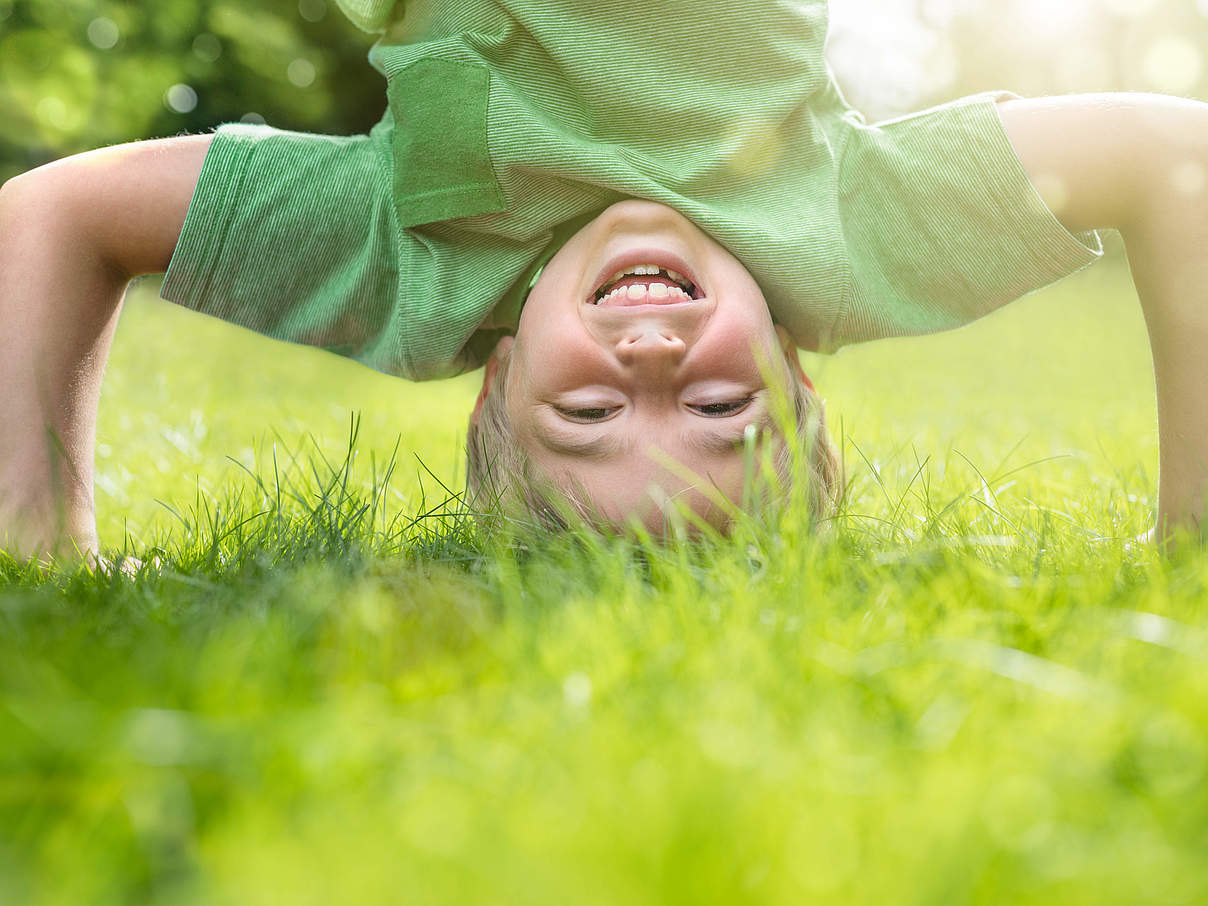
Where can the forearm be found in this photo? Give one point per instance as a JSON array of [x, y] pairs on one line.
[[72, 234], [1168, 254], [1139, 163], [58, 304]]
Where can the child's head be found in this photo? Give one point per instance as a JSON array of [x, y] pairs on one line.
[[614, 393]]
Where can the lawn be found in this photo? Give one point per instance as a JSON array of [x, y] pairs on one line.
[[969, 688]]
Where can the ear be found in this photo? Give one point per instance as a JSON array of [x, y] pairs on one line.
[[789, 345], [502, 349]]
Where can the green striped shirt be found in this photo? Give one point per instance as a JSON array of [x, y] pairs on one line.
[[727, 112], [512, 122]]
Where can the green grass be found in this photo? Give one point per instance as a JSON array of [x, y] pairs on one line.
[[971, 689]]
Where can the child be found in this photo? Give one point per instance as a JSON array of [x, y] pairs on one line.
[[532, 155]]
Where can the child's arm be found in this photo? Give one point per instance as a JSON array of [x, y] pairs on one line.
[[1139, 163], [72, 235]]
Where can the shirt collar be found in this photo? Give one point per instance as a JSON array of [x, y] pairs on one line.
[[513, 301]]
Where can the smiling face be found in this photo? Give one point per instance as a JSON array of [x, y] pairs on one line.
[[610, 379]]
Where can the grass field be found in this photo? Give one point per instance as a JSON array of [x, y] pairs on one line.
[[971, 689]]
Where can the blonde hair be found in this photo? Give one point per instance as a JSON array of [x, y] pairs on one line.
[[502, 480]]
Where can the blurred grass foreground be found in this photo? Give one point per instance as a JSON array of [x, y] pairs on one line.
[[971, 688]]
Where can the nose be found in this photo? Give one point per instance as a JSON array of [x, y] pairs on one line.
[[651, 346]]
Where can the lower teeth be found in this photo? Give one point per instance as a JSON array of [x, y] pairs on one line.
[[687, 294]]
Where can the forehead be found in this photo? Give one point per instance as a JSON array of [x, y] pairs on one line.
[[638, 486]]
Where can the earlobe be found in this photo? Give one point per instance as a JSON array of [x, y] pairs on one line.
[[789, 346], [502, 349]]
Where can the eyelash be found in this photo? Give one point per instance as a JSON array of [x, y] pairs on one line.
[[708, 410], [721, 410], [588, 415]]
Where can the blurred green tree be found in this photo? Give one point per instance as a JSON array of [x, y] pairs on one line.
[[78, 74]]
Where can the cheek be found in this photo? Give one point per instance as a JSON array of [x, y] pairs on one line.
[[559, 357], [741, 347]]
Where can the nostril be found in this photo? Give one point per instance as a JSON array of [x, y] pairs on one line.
[[652, 342], [656, 339]]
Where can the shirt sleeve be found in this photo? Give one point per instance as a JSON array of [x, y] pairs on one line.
[[371, 15], [941, 223]]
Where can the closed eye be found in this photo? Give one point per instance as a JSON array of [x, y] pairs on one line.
[[721, 410], [588, 414]]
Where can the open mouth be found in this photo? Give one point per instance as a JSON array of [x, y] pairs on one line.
[[646, 284]]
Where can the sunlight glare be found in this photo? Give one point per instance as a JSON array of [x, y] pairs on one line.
[[1083, 67], [1045, 21], [886, 58], [1172, 63], [1129, 9], [942, 12]]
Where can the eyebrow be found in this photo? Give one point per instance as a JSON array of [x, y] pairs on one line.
[[598, 447], [718, 443]]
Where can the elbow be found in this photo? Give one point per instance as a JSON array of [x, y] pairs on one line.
[[1170, 175]]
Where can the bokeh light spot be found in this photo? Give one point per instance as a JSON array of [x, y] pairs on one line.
[[576, 690], [207, 47], [1189, 178], [253, 118], [181, 98], [1172, 64], [158, 736], [103, 33], [312, 10], [301, 73], [52, 111]]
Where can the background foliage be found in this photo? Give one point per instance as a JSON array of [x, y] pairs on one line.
[[76, 74]]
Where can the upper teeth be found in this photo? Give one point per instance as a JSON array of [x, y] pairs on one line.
[[645, 270], [641, 290]]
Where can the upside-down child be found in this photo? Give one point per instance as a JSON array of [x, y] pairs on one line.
[[633, 215]]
